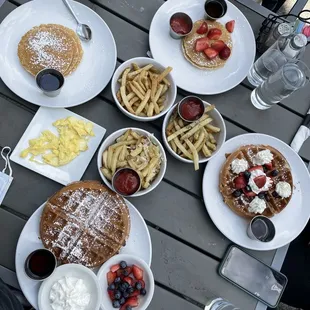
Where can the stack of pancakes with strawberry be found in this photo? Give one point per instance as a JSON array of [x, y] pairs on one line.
[[209, 44], [256, 179]]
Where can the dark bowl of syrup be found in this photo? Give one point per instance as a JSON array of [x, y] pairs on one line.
[[50, 81], [215, 9], [40, 264]]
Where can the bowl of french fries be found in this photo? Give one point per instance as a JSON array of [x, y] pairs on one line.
[[137, 149], [194, 142], [143, 89]]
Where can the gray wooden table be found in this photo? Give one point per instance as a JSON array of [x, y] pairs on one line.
[[187, 247]]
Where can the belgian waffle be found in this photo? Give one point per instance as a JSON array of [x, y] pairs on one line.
[[240, 204], [85, 223]]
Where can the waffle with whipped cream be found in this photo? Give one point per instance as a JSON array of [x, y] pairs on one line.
[[85, 223], [256, 180]]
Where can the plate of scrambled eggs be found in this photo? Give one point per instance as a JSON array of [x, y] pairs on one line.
[[58, 144]]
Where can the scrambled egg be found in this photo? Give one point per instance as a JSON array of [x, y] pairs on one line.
[[60, 150]]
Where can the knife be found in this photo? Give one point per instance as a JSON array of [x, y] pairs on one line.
[[302, 134]]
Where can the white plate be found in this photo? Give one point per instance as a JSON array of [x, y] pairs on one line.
[[71, 270], [169, 51], [73, 171], [233, 226], [91, 76], [138, 243]]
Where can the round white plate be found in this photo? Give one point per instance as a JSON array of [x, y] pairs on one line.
[[91, 76], [289, 223], [169, 51], [71, 270], [138, 243]]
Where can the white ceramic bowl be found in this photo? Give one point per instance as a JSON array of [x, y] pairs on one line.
[[71, 270], [148, 278], [111, 140], [143, 61], [220, 137]]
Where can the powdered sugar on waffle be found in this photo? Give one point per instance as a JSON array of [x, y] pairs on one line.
[[88, 217]]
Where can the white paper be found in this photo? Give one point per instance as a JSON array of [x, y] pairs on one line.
[[301, 136]]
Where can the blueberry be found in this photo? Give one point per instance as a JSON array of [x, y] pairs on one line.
[[122, 300], [126, 285], [275, 194], [116, 304], [261, 195], [111, 287], [247, 175], [126, 273], [126, 295], [138, 285], [122, 288], [143, 292], [237, 193], [130, 290], [117, 295], [117, 280], [123, 264], [128, 308], [274, 173], [248, 188]]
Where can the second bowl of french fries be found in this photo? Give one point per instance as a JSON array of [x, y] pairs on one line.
[[194, 142], [143, 89], [137, 149]]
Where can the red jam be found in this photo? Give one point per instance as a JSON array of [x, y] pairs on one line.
[[191, 110], [126, 182], [180, 25]]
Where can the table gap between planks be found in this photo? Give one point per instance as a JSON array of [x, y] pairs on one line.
[[186, 245]]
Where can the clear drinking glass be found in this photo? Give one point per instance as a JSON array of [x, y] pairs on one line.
[[291, 77], [220, 304]]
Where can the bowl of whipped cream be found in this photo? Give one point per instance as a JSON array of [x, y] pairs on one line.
[[71, 286]]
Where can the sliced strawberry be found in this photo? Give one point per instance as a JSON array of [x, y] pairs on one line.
[[256, 168], [249, 194], [111, 295], [260, 181], [132, 302], [211, 53], [214, 34], [111, 277], [203, 28], [240, 182], [119, 273], [230, 26], [225, 53], [128, 280], [135, 293], [218, 45], [202, 44], [114, 268], [137, 272], [268, 166]]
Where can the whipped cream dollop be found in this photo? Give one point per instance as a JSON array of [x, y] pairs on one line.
[[284, 189], [262, 158], [69, 293], [257, 205], [239, 165], [255, 173]]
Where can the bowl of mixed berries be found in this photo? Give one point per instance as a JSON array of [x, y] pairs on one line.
[[127, 283]]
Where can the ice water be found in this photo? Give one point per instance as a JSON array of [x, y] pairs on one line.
[[220, 304], [279, 86]]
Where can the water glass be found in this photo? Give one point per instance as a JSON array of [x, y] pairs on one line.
[[291, 77], [220, 304]]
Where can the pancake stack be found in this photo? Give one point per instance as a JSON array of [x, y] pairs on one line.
[[240, 204], [85, 223], [50, 46]]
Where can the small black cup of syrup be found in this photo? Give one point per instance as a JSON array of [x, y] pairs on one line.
[[215, 9], [40, 264], [50, 81], [261, 228]]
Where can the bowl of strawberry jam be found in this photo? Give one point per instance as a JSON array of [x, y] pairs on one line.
[[191, 108], [126, 181], [180, 25]]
